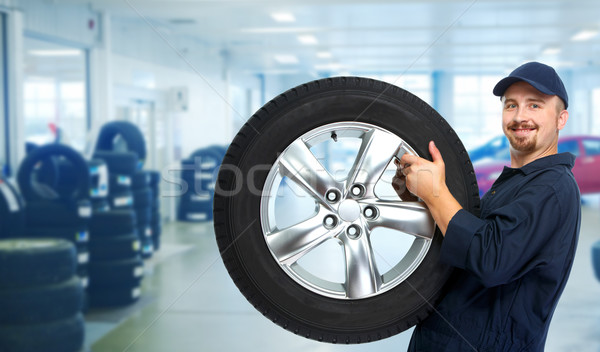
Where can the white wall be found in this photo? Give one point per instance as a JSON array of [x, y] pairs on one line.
[[204, 123]]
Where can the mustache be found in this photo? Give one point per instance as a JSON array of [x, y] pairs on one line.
[[517, 125]]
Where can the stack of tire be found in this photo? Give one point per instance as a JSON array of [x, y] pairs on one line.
[[198, 175], [143, 199], [40, 296], [116, 268], [12, 215], [156, 221], [130, 185], [57, 204]]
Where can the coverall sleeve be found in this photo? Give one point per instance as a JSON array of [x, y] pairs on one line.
[[507, 243]]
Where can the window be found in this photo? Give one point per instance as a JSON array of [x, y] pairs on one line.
[[569, 146], [591, 146], [55, 91], [477, 112]]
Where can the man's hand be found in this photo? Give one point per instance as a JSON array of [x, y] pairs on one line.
[[427, 180]]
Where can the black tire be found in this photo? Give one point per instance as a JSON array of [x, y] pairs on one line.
[[116, 273], [12, 216], [140, 180], [596, 259], [73, 234], [147, 247], [128, 131], [143, 198], [78, 191], [113, 223], [237, 211], [29, 262], [119, 183], [118, 163], [100, 205], [98, 178], [41, 304], [64, 335], [115, 296], [57, 214], [144, 215], [115, 248], [154, 179], [121, 200]]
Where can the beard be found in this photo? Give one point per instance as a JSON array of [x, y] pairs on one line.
[[521, 144]]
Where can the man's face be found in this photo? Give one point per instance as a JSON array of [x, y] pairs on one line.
[[531, 119]]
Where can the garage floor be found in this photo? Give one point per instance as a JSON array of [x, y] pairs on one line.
[[189, 303]]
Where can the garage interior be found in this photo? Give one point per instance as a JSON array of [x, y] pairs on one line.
[[187, 75]]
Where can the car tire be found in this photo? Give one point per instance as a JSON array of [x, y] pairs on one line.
[[66, 335], [41, 304], [47, 154], [34, 262], [128, 131], [384, 118], [117, 272], [118, 163], [12, 216]]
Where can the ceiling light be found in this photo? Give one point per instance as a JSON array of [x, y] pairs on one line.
[[551, 50], [307, 39], [66, 52], [329, 67], [284, 17], [324, 55], [286, 59], [584, 35]]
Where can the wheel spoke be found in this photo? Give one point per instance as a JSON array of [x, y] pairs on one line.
[[292, 243], [303, 168], [410, 217], [362, 276], [376, 151]]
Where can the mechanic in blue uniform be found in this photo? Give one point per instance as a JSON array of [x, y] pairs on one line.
[[513, 260]]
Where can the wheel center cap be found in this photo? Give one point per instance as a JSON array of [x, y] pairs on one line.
[[349, 210]]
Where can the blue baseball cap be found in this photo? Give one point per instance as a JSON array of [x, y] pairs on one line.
[[541, 77]]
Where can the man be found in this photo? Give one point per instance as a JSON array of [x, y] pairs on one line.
[[514, 260]]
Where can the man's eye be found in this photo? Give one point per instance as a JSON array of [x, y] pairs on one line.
[[511, 106], [535, 106]]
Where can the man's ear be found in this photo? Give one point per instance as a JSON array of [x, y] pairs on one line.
[[562, 119]]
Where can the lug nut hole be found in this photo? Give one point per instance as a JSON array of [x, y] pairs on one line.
[[330, 222], [353, 231], [370, 212], [333, 196], [357, 190]]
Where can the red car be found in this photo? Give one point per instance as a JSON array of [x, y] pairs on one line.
[[586, 169]]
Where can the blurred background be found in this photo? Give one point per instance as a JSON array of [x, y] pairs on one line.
[[189, 73]]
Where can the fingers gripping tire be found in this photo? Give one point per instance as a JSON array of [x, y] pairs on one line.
[[265, 256]]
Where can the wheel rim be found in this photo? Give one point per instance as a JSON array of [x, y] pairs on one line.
[[310, 203]]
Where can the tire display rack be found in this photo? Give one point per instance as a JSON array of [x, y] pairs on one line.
[[329, 251]]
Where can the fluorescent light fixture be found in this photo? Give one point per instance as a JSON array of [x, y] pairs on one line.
[[65, 52], [283, 17], [286, 59], [324, 55], [307, 39], [584, 35], [552, 50]]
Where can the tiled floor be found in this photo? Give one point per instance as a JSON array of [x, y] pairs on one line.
[[189, 303]]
